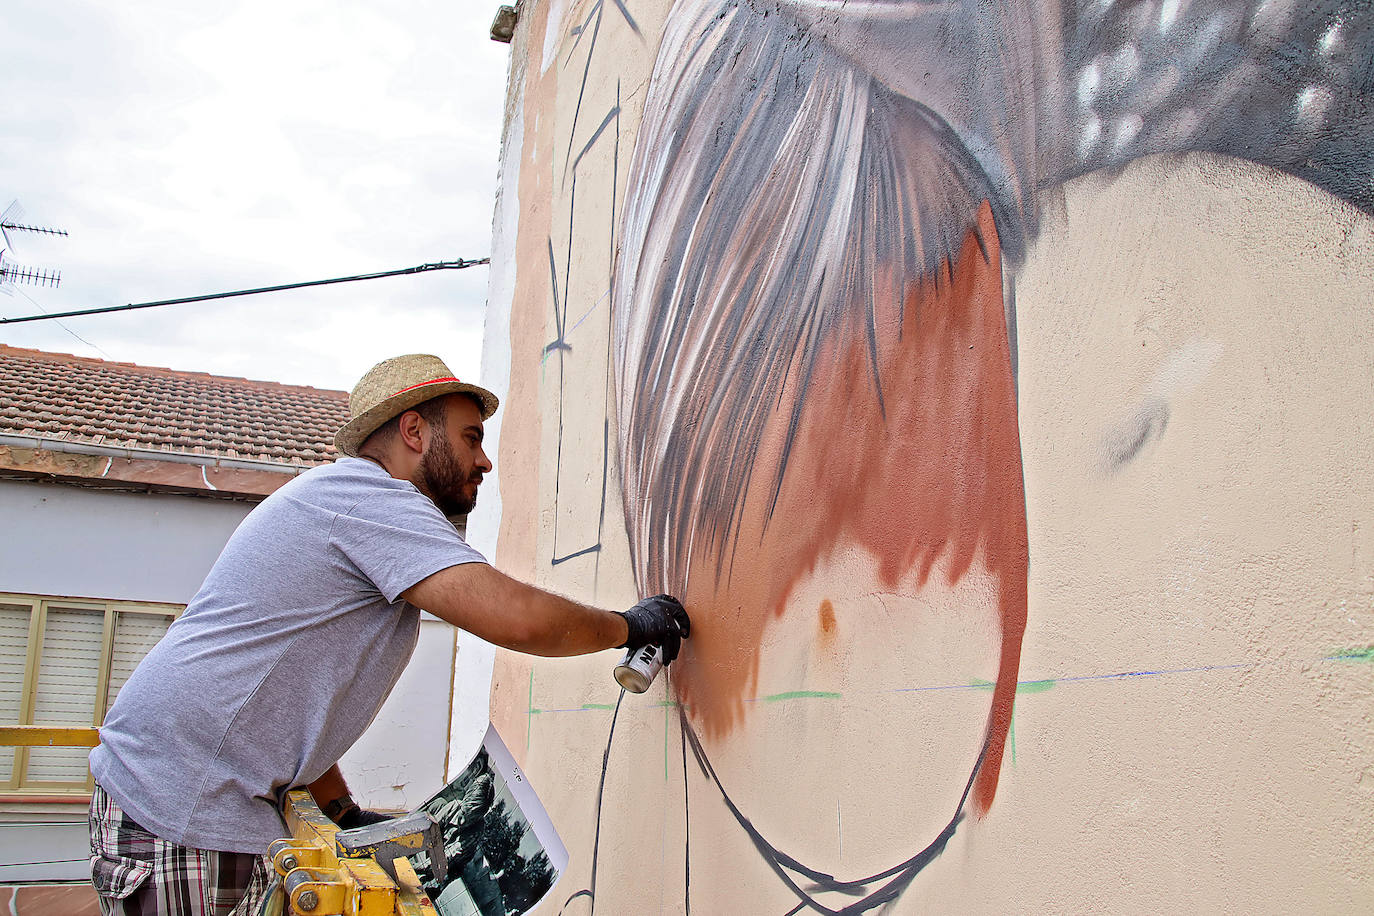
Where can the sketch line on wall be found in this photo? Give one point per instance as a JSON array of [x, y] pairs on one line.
[[629, 20], [610, 291], [577, 32], [590, 891], [605, 475], [780, 862], [561, 305], [561, 344], [1028, 686], [1037, 686], [686, 830], [595, 548], [785, 866], [553, 287], [582, 89], [611, 115], [902, 874], [588, 313], [1160, 673]]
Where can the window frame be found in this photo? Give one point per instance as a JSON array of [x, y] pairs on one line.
[[17, 784]]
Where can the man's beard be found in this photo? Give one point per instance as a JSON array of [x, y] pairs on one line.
[[444, 478]]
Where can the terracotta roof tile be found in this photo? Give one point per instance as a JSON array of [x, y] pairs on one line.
[[77, 399]]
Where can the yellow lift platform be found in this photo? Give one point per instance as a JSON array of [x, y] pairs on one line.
[[320, 869], [324, 871]]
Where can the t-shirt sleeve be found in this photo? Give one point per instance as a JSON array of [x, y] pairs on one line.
[[398, 537]]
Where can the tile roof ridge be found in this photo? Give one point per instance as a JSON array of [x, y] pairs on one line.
[[164, 371]]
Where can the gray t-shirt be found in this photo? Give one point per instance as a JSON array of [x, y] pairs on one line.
[[281, 660]]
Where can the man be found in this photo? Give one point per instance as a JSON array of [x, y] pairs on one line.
[[297, 636]]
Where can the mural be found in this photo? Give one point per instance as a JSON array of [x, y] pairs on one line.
[[805, 372], [812, 350]]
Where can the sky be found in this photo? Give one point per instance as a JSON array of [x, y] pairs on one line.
[[200, 148]]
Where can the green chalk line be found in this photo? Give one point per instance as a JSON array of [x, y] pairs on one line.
[[598, 706], [1354, 655], [800, 695], [1021, 686]]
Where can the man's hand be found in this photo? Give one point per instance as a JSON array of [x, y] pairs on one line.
[[657, 621], [360, 817]]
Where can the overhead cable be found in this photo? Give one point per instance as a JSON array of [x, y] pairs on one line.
[[421, 268]]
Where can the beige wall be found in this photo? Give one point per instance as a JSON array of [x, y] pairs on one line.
[[1194, 404]]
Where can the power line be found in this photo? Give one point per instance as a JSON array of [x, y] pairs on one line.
[[38, 305], [422, 268]]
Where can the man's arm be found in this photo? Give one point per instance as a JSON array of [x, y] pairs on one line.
[[509, 613], [331, 794]]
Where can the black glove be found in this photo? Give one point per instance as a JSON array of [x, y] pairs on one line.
[[360, 817], [657, 621]]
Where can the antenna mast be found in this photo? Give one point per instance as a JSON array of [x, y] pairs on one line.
[[10, 221]]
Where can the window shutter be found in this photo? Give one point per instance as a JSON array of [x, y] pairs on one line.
[[67, 687], [14, 653], [134, 636]]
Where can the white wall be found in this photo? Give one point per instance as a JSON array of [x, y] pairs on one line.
[[84, 543], [399, 760]]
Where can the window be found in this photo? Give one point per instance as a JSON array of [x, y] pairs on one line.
[[62, 663]]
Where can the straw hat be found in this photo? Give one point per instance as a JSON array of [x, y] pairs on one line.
[[394, 386]]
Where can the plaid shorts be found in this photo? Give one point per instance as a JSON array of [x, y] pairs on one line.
[[137, 874]]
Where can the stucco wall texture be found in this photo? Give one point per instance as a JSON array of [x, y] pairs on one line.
[[1005, 421]]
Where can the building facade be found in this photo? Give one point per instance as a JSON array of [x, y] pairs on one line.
[[992, 382], [119, 485]]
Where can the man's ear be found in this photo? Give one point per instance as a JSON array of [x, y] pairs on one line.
[[410, 428]]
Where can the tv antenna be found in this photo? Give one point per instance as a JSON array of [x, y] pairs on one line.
[[12, 220]]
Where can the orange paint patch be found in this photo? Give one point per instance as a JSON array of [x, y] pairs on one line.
[[930, 474], [827, 618]]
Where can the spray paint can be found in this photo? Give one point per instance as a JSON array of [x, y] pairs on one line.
[[639, 667]]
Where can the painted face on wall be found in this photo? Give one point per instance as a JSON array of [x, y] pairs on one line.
[[815, 349]]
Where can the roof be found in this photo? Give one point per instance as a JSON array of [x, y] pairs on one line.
[[249, 433], [120, 405]]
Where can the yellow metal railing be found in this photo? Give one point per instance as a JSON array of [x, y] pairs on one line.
[[27, 736], [48, 736]]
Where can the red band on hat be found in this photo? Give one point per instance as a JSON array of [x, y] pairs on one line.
[[433, 381]]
